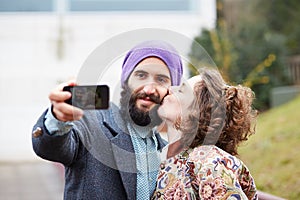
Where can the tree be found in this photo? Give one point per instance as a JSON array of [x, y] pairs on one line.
[[249, 53], [284, 18]]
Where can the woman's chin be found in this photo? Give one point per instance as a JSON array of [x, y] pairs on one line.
[[165, 116], [161, 113]]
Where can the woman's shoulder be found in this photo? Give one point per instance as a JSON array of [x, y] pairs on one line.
[[207, 151], [211, 154], [215, 165]]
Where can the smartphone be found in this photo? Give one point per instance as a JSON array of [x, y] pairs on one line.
[[88, 97]]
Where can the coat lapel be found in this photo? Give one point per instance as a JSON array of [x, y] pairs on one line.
[[123, 151], [126, 162]]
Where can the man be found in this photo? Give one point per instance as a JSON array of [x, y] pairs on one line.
[[112, 154]]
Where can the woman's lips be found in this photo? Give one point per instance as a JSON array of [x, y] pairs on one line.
[[163, 100]]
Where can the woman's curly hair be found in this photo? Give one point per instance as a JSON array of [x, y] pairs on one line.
[[224, 115]]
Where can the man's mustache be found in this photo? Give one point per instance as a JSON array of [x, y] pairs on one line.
[[152, 97]]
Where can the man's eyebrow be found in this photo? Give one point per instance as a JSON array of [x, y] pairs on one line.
[[163, 76], [140, 71]]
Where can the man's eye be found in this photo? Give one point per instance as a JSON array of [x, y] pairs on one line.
[[140, 75], [162, 80]]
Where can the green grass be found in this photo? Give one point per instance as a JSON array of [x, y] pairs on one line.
[[273, 153]]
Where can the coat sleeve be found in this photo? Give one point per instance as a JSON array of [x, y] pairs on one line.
[[57, 148]]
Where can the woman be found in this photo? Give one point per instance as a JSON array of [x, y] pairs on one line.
[[206, 121]]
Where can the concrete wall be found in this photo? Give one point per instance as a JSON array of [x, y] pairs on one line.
[[282, 95], [31, 64]]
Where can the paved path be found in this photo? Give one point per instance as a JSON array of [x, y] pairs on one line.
[[42, 180], [30, 180]]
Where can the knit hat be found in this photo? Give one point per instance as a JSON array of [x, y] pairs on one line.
[[159, 49]]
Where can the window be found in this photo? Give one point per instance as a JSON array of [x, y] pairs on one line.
[[129, 5], [26, 5], [96, 5]]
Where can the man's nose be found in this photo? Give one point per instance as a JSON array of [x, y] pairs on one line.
[[149, 88]]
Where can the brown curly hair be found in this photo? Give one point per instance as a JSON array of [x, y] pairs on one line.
[[224, 115]]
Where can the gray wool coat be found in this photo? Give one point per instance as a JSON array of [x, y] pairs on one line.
[[97, 153]]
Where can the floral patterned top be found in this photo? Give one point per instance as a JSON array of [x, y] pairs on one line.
[[205, 172]]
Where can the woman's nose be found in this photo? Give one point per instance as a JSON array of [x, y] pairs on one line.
[[172, 89]]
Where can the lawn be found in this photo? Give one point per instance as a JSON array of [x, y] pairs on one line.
[[273, 153]]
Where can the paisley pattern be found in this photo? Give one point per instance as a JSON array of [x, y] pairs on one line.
[[205, 172]]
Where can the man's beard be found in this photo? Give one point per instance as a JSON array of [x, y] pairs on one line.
[[138, 116]]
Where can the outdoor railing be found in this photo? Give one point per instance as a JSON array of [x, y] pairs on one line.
[[294, 68], [267, 196]]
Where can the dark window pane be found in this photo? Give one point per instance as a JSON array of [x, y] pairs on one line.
[[130, 5], [26, 5]]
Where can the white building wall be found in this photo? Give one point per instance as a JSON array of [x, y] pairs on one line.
[[29, 67]]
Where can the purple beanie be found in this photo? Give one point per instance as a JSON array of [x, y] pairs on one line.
[[153, 48]]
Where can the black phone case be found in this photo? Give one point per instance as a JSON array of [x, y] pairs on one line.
[[88, 97]]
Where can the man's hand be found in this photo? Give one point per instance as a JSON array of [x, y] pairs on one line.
[[61, 110]]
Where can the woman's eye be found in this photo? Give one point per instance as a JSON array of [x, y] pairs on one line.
[[180, 90]]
